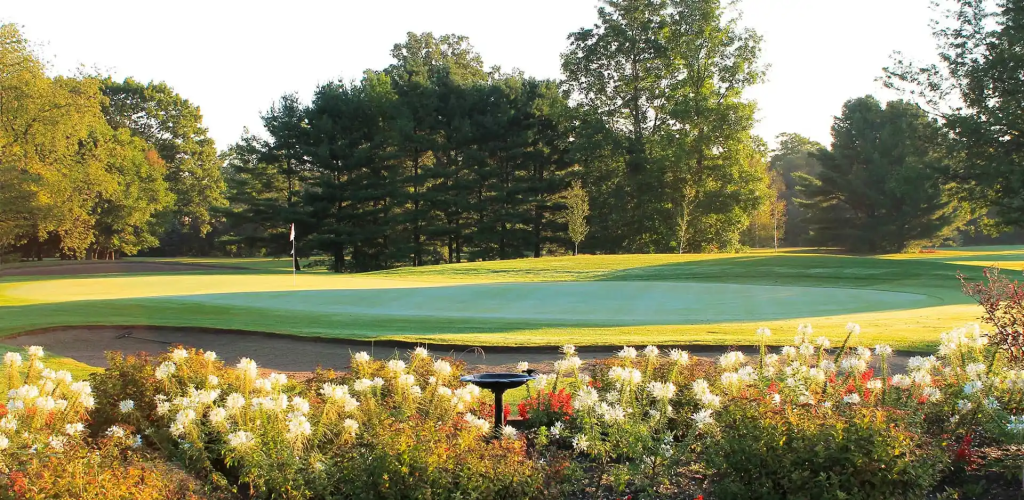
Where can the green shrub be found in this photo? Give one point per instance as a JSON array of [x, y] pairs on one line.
[[803, 454]]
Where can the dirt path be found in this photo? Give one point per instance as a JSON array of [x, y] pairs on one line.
[[102, 267], [297, 354]]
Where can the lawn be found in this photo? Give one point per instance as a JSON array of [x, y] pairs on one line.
[[611, 300]]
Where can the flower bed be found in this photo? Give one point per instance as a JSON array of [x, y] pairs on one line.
[[808, 421]]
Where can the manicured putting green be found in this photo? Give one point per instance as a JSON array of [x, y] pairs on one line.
[[590, 303]]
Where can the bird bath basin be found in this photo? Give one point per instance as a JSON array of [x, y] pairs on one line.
[[498, 383]]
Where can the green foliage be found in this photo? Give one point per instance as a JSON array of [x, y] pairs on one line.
[[977, 91], [879, 188], [155, 113], [819, 455], [577, 208], [71, 185], [794, 155], [665, 129]]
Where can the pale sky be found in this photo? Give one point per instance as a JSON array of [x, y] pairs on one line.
[[235, 58]]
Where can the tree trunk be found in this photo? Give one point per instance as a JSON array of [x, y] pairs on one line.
[[576, 250]]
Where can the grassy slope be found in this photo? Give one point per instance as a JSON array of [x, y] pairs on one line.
[[79, 371], [39, 302]]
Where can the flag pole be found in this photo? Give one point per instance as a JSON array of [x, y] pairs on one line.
[[295, 257]]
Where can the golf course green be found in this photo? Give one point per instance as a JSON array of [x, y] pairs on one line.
[[905, 300]]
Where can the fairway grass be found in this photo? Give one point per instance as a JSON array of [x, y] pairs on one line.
[[905, 300]]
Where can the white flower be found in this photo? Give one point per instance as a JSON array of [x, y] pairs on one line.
[[522, 366], [406, 380], [963, 405], [976, 370], [361, 357], [12, 360], [921, 378], [700, 387], [789, 351], [34, 352], [351, 426], [165, 370], [126, 406], [247, 368], [301, 405], [556, 429], [4, 442], [63, 376], [823, 342], [731, 360], [508, 432], [853, 365], [115, 432], [662, 391], [239, 439], [277, 379], [571, 363], [991, 403], [586, 397], [234, 402], [420, 352], [212, 380], [611, 413], [807, 349], [362, 384], [931, 393], [702, 418], [852, 398], [298, 427], [681, 357], [478, 424], [874, 384], [396, 366], [74, 429], [45, 404], [378, 382], [864, 353], [580, 444], [651, 351], [442, 368], [568, 349], [804, 330], [853, 328], [710, 400], [217, 415], [764, 332], [179, 355], [8, 423], [972, 387], [625, 376], [883, 350], [627, 353], [55, 443], [210, 356]]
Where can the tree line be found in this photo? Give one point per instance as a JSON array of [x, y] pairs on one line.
[[94, 168], [645, 145]]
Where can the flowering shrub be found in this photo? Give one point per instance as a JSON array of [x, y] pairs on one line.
[[394, 429], [810, 421], [45, 451]]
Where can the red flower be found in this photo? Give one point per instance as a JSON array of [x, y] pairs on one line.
[[850, 388], [773, 388], [864, 377]]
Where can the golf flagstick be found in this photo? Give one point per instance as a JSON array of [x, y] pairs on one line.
[[292, 238]]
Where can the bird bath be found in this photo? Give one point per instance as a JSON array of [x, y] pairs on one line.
[[498, 383]]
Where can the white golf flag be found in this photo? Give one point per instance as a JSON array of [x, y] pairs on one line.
[[292, 237]]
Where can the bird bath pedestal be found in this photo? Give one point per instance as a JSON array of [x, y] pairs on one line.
[[498, 383]]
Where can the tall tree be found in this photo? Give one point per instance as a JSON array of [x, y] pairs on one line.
[[794, 154], [664, 79], [977, 91], [158, 115], [879, 188]]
